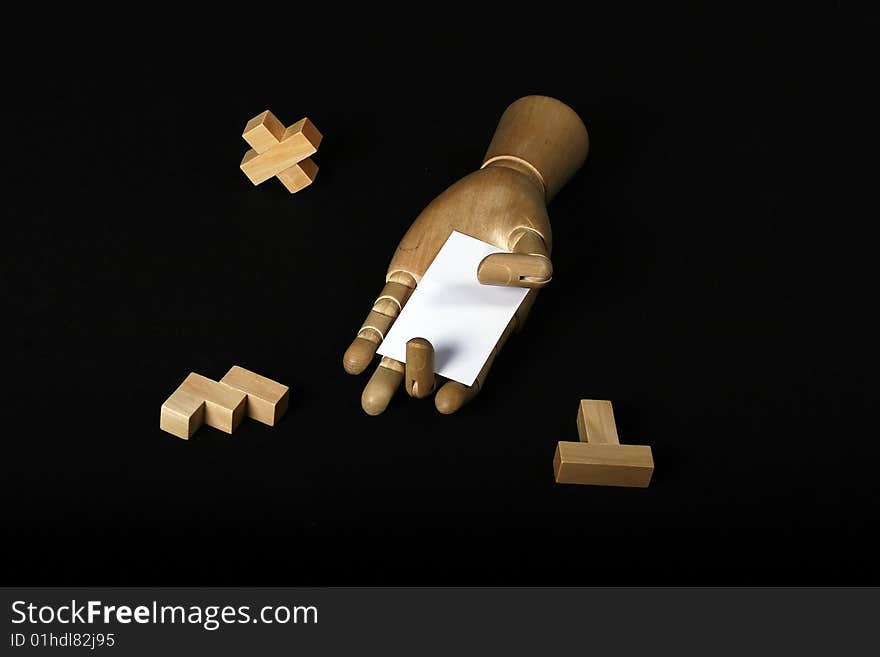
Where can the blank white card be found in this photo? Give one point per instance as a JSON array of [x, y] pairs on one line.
[[454, 312]]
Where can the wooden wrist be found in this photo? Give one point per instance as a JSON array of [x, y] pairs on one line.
[[541, 137]]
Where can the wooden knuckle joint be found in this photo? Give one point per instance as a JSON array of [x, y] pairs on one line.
[[378, 323]]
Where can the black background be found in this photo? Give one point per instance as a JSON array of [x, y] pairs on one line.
[[706, 281]]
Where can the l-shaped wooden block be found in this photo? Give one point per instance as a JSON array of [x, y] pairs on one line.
[[267, 400], [599, 459], [199, 400]]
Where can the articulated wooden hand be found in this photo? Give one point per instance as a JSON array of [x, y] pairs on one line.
[[538, 145]]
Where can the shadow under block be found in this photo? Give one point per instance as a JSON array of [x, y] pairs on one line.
[[199, 400], [273, 152], [267, 400]]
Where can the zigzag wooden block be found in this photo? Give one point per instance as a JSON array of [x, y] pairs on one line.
[[223, 405]]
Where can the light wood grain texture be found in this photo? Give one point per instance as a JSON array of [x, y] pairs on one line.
[[382, 386], [514, 269], [595, 422], [263, 132], [387, 307], [528, 265], [603, 465], [396, 293], [378, 323], [419, 375], [280, 152], [502, 200], [299, 176], [538, 145], [543, 136], [599, 458], [200, 400], [267, 400]]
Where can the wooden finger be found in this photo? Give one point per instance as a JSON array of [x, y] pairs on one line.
[[385, 310], [515, 270], [453, 395], [420, 379], [527, 266], [382, 386]]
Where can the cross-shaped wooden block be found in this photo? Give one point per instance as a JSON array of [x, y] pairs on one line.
[[599, 458], [280, 152]]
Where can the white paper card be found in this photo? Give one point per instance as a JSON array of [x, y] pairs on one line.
[[454, 312]]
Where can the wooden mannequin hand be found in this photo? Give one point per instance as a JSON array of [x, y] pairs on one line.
[[538, 145]]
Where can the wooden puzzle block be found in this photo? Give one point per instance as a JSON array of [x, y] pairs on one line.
[[599, 459], [280, 152], [267, 400], [263, 131], [198, 401], [595, 422], [603, 465], [223, 405], [299, 176]]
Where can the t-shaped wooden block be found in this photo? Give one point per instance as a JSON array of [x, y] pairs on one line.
[[280, 152], [599, 458]]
